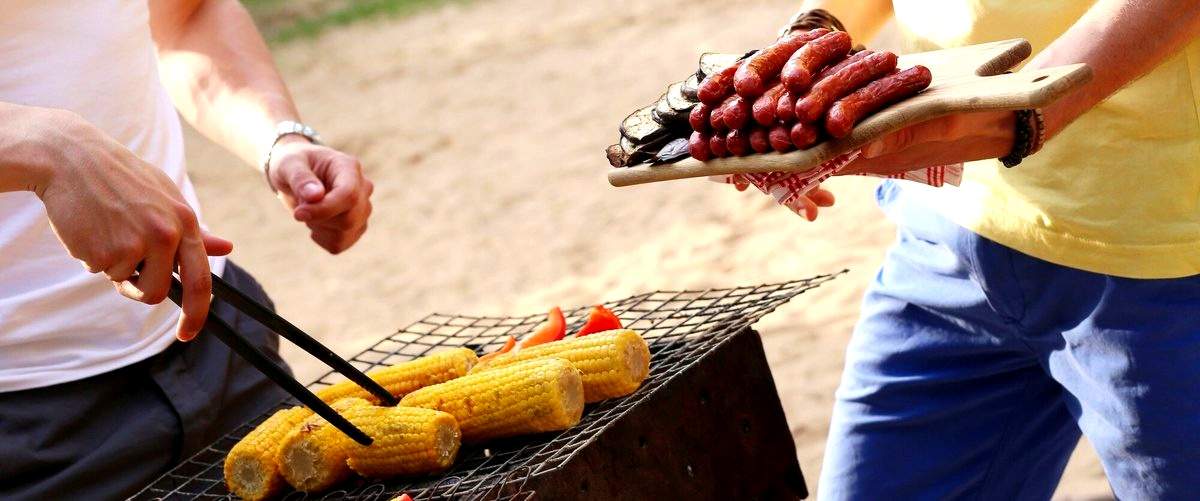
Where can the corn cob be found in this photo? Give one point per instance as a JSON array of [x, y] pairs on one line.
[[613, 363], [251, 468], [528, 397], [407, 441], [312, 457], [404, 377]]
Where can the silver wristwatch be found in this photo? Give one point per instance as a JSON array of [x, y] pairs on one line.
[[285, 128]]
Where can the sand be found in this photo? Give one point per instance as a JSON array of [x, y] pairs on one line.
[[484, 127]]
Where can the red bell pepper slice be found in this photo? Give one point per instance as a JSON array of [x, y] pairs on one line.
[[553, 329], [508, 346], [600, 319], [404, 497]]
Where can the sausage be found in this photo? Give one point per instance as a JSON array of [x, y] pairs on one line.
[[716, 118], [785, 109], [698, 118], [813, 105], [759, 141], [763, 108], [736, 112], [850, 109], [737, 143], [698, 146], [798, 73], [714, 89], [751, 78], [716, 145], [804, 135], [780, 138], [836, 67]]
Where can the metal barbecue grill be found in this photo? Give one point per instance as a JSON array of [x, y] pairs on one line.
[[706, 421]]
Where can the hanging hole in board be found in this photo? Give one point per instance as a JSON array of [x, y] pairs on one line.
[[1039, 79]]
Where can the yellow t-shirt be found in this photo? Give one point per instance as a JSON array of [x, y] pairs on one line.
[[1118, 191]]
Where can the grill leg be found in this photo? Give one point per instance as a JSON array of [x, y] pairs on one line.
[[716, 431]]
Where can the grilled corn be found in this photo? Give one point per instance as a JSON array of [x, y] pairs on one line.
[[404, 377], [613, 363], [312, 457], [534, 396], [407, 441], [251, 468]]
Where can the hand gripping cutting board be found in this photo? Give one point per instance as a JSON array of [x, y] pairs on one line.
[[965, 79]]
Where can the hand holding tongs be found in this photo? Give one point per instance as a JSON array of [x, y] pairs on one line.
[[279, 325]]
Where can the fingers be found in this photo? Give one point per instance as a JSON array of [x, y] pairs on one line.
[[336, 241], [214, 245], [936, 130], [347, 188], [296, 182], [196, 279], [153, 279], [822, 197]]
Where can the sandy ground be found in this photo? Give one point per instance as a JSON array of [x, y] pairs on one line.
[[484, 128]]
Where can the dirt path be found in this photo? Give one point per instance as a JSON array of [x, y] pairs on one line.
[[484, 128]]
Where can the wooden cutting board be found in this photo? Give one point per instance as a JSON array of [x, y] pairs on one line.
[[965, 79]]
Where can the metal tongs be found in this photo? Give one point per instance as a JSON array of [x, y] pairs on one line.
[[225, 292]]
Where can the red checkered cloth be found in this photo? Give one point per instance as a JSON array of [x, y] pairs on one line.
[[788, 187]]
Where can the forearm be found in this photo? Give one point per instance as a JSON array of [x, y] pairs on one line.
[[1121, 40], [220, 74], [863, 18], [26, 157]]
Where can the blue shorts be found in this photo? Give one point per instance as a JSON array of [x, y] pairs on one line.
[[975, 367]]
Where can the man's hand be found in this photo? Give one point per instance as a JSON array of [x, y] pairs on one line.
[[324, 188], [948, 140], [121, 216]]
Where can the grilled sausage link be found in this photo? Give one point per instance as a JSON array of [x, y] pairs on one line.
[[849, 110], [780, 138], [698, 118], [698, 146], [764, 107], [736, 113], [813, 105], [798, 72], [718, 86], [737, 143], [716, 144], [759, 142], [804, 136], [785, 108], [847, 61], [751, 79]]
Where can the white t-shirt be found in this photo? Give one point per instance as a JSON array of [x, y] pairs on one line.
[[58, 322]]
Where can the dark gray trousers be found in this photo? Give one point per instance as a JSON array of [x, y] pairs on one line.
[[107, 436]]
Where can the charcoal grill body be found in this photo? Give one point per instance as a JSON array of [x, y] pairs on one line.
[[715, 431], [705, 424]]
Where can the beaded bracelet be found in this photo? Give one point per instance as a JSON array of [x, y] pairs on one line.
[[1029, 135]]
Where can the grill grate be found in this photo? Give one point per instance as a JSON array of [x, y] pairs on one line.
[[680, 327]]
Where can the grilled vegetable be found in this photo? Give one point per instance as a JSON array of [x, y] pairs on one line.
[[508, 346], [404, 377], [553, 329], [664, 114], [691, 86], [312, 457], [613, 363], [407, 441], [640, 127], [600, 319], [534, 396], [673, 151], [712, 62], [251, 469]]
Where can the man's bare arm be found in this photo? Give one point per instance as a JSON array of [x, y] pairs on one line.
[[1121, 40], [220, 74], [222, 78]]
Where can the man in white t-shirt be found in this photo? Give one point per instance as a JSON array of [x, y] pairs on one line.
[[96, 395]]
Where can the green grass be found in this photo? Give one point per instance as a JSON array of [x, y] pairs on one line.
[[282, 21]]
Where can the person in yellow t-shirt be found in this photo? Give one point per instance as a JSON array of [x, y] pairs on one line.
[[1034, 302]]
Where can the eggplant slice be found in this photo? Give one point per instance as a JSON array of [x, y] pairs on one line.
[[677, 101], [691, 86], [641, 127]]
